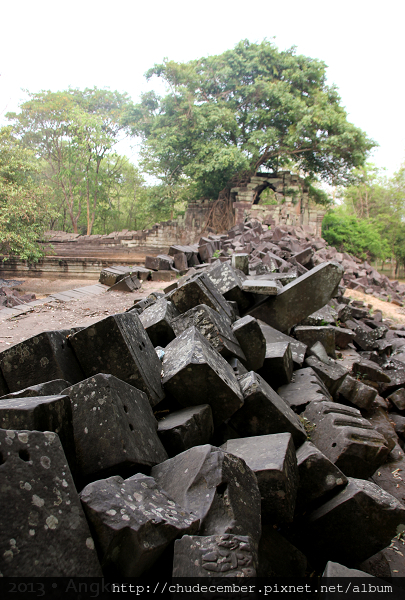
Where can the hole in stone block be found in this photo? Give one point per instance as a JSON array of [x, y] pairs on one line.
[[221, 488], [131, 427], [140, 347], [2, 459], [24, 454], [334, 444], [126, 408]]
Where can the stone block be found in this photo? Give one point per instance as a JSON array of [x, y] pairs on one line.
[[229, 284], [130, 283], [382, 423], [241, 262], [304, 387], [214, 326], [264, 412], [318, 350], [237, 366], [49, 388], [252, 341], [157, 321], [310, 335], [38, 359], [334, 569], [357, 393], [273, 336], [343, 337], [261, 287], [180, 261], [347, 439], [214, 556], [277, 557], [272, 459], [398, 399], [355, 524], [133, 521], [199, 290], [120, 346], [277, 367], [324, 316], [300, 298], [332, 374], [3, 385], [105, 409], [369, 370], [318, 476], [194, 373], [217, 487], [111, 275], [186, 428], [43, 530]]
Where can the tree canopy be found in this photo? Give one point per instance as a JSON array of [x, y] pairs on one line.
[[249, 108]]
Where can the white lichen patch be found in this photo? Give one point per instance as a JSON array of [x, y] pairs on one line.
[[37, 501]]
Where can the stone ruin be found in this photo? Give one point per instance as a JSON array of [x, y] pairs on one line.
[[217, 429]]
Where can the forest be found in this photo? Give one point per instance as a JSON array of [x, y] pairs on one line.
[[222, 118]]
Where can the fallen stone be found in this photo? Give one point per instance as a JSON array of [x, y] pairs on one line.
[[273, 461], [273, 336], [217, 487], [199, 290], [356, 392], [332, 375], [120, 346], [237, 367], [398, 399], [319, 352], [277, 367], [346, 438], [43, 530], [38, 359], [370, 370], [157, 321], [260, 287], [229, 284], [310, 335], [300, 298], [130, 283], [105, 409], [49, 388], [305, 387], [343, 337], [382, 423], [180, 261], [240, 262], [324, 316], [252, 341], [111, 275], [397, 377], [334, 569], [277, 557], [186, 428], [133, 521], [391, 475], [214, 556], [264, 412]]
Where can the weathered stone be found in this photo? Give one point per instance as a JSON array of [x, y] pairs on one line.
[[370, 370], [277, 557], [180, 261], [397, 377], [194, 373], [305, 387], [229, 284], [241, 262], [300, 298], [133, 520], [398, 399], [157, 321], [161, 262], [273, 336], [252, 341], [43, 530], [105, 409], [214, 556], [120, 346], [261, 287], [380, 420], [334, 569], [237, 366], [277, 367], [324, 316], [38, 359], [49, 388], [365, 336], [199, 290], [186, 428], [347, 439], [310, 335], [343, 337], [215, 327], [264, 412], [3, 385], [130, 283], [318, 476], [391, 475], [357, 392], [355, 524], [320, 353], [111, 275], [332, 375], [217, 487], [273, 461]]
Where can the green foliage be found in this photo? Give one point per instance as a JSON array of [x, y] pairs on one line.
[[24, 208]]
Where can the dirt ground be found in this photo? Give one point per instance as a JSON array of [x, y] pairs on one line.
[[394, 313]]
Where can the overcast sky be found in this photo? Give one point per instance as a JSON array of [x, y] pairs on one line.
[[52, 45]]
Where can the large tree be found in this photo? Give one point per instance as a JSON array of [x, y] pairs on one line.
[[250, 108]]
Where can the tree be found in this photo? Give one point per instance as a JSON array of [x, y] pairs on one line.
[[24, 205], [72, 132], [249, 108]]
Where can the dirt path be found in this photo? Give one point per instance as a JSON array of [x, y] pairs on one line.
[[394, 313]]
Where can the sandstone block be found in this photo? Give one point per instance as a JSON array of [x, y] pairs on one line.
[[186, 428]]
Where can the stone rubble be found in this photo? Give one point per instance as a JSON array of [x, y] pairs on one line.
[[250, 421]]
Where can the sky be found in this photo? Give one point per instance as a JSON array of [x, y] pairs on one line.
[[49, 45]]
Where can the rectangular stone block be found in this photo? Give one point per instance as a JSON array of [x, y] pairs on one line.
[[229, 284], [300, 298], [332, 374], [252, 341], [310, 335], [357, 393], [105, 409], [241, 262], [120, 346], [194, 373], [272, 459], [277, 367], [264, 412], [273, 336], [305, 387], [260, 287], [199, 290], [43, 530], [157, 321], [49, 388], [38, 359], [186, 428]]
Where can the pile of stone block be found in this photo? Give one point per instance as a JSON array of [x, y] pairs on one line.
[[213, 430], [10, 297]]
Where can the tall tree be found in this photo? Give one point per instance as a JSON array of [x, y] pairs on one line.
[[249, 108]]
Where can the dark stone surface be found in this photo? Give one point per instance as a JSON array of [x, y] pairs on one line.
[[334, 569], [199, 290], [324, 316], [49, 388], [41, 358], [273, 336], [332, 375], [240, 262], [3, 385], [133, 521], [310, 335], [186, 428], [356, 392], [277, 367], [277, 557], [347, 439], [157, 320], [252, 341], [217, 487], [214, 556], [305, 387], [264, 412], [114, 428], [194, 373], [390, 475], [370, 370], [273, 461], [398, 399], [343, 337], [127, 284], [43, 530], [300, 298], [237, 366], [229, 284], [119, 345], [215, 327]]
